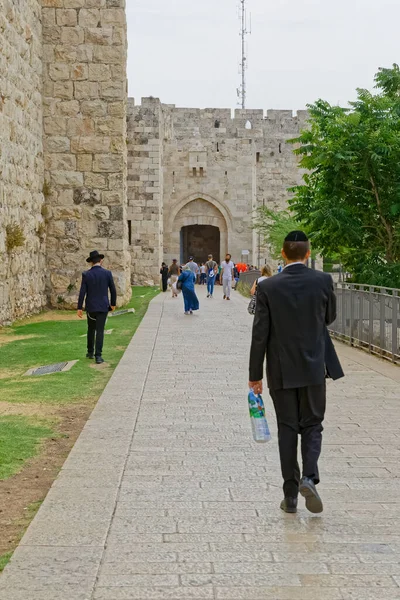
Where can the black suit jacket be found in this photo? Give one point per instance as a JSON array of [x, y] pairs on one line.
[[293, 310], [95, 286]]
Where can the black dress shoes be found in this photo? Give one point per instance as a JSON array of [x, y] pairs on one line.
[[309, 492], [88, 355], [289, 505], [99, 360]]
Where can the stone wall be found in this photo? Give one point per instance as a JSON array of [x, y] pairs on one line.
[[22, 251], [215, 170], [145, 188], [85, 146]]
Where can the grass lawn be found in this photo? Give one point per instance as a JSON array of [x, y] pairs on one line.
[[39, 342], [20, 439], [4, 559], [244, 289]]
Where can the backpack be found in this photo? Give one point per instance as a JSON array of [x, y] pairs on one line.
[[211, 273]]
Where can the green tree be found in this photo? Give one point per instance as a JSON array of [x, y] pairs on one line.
[[350, 196], [274, 227]]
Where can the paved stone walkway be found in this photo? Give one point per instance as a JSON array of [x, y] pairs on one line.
[[165, 497]]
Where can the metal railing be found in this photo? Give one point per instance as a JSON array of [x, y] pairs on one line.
[[249, 277], [368, 317]]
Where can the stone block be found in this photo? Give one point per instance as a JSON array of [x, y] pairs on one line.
[[66, 17], [67, 178], [109, 126], [99, 72], [68, 108], [119, 36], [82, 127], [60, 162], [89, 17], [117, 245], [93, 144], [64, 90], [55, 144], [113, 16], [117, 109], [108, 163], [117, 181], [113, 198], [95, 3], [94, 108], [51, 34], [74, 3], [101, 36], [59, 71], [84, 53], [65, 197], [84, 162], [80, 71], [86, 196], [118, 145], [72, 36], [65, 53], [48, 17], [84, 90], [55, 126], [95, 180], [52, 3], [116, 213], [108, 55], [113, 89]]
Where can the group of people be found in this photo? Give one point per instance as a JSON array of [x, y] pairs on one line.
[[293, 310], [184, 277]]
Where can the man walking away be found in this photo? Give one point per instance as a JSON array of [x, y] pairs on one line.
[[193, 266], [95, 286], [227, 276], [290, 328], [174, 273], [211, 270]]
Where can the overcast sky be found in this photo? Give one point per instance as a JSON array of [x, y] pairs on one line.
[[187, 52]]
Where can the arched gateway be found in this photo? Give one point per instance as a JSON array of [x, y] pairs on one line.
[[196, 228], [196, 178]]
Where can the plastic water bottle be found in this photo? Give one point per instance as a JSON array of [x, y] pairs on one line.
[[258, 420]]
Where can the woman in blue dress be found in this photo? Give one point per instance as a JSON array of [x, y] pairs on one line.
[[188, 279]]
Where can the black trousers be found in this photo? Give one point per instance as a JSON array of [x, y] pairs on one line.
[[96, 322], [299, 411]]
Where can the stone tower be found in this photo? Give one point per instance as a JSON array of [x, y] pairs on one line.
[[63, 148]]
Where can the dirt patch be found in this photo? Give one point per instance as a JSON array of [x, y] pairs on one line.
[[31, 485], [10, 373], [49, 315], [42, 411], [7, 338]]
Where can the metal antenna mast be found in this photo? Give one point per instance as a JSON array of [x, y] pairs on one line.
[[244, 32]]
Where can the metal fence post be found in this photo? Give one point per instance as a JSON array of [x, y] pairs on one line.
[[351, 314], [371, 319], [394, 325], [382, 321]]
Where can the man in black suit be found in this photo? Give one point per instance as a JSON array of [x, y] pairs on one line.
[[293, 311], [95, 286]]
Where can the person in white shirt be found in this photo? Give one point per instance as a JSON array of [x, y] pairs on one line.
[[193, 266], [227, 276]]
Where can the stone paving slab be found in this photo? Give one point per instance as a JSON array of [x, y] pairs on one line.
[[166, 497]]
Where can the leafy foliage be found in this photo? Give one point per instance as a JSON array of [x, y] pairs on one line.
[[350, 196], [274, 227]]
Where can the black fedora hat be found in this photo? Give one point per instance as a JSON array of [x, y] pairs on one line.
[[93, 255]]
